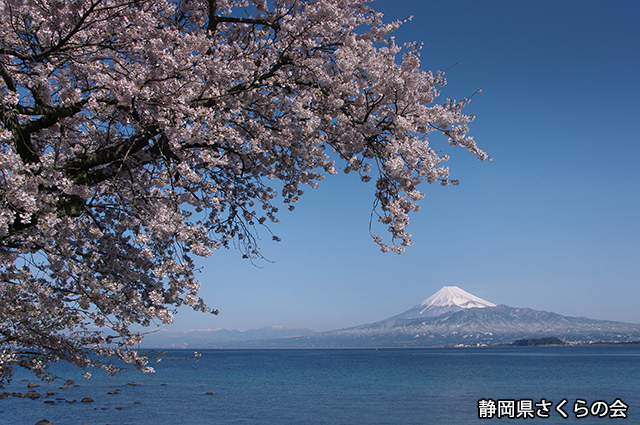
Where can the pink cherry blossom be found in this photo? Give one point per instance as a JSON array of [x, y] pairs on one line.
[[137, 134]]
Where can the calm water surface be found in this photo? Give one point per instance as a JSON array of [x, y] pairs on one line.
[[340, 386]]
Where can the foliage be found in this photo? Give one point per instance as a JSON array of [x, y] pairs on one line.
[[135, 134]]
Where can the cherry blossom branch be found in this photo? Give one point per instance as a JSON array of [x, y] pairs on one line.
[[137, 135]]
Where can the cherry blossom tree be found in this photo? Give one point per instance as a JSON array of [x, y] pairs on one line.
[[137, 134]]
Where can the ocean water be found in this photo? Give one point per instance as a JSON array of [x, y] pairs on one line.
[[344, 386]]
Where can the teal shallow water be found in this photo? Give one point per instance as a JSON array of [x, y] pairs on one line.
[[340, 386]]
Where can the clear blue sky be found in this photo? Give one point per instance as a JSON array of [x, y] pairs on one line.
[[552, 223]]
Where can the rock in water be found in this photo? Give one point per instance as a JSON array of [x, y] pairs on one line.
[[33, 394]]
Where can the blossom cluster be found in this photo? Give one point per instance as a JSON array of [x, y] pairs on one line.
[[136, 134]]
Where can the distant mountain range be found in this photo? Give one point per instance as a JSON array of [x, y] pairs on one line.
[[451, 316], [217, 338]]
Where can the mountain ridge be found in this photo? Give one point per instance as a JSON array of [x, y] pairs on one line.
[[471, 327], [215, 338], [451, 316]]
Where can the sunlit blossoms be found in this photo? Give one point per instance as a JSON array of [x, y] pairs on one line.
[[136, 134]]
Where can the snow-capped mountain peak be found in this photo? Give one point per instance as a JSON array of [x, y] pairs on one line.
[[454, 296], [449, 298]]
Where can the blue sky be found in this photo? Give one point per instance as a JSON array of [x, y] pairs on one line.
[[552, 223]]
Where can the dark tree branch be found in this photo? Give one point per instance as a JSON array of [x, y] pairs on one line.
[[51, 115], [213, 22], [105, 156], [214, 19], [80, 169], [11, 85], [22, 138], [250, 21], [238, 88], [22, 132]]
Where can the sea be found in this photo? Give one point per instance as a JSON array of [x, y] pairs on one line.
[[595, 384]]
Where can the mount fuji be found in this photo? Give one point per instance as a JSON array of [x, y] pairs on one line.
[[448, 299], [449, 317], [453, 316]]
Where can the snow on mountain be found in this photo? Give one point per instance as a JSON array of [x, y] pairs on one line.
[[447, 299], [452, 295], [471, 326]]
